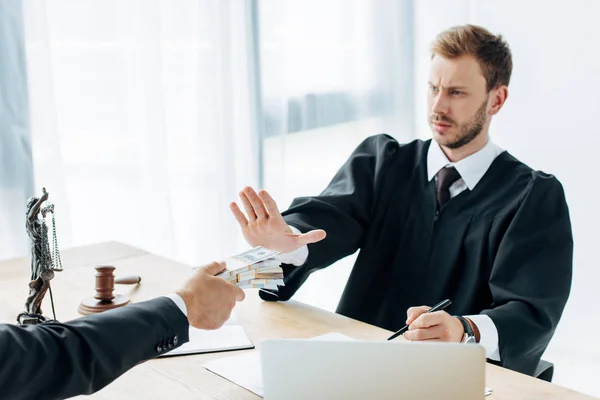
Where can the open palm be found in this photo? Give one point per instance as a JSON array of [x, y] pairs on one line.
[[264, 226]]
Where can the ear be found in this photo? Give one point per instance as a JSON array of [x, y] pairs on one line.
[[498, 97]]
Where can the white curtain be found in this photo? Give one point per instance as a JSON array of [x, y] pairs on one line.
[[144, 114], [16, 170], [141, 120], [333, 73]]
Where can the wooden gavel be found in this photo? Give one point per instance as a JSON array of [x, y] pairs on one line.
[[105, 299], [128, 280]]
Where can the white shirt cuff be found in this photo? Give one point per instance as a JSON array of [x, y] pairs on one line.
[[489, 335], [297, 257], [178, 302]]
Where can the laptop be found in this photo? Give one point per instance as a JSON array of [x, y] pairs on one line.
[[307, 369]]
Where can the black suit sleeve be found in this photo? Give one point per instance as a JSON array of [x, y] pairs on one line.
[[343, 210], [531, 276], [59, 360]]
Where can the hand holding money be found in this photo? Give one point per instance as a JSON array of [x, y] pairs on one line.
[[264, 226], [209, 300], [255, 268]]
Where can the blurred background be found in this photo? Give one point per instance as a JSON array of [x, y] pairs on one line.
[[144, 118]]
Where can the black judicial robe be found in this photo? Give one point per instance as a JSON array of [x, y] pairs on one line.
[[504, 249]]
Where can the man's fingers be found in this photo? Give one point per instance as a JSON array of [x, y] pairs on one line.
[[247, 206], [238, 214], [311, 237], [414, 312], [226, 318], [269, 203], [256, 202], [432, 333], [214, 268], [426, 320], [240, 295]]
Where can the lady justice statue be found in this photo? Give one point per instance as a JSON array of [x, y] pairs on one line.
[[43, 261]]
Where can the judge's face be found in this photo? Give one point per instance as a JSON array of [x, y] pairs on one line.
[[457, 100]]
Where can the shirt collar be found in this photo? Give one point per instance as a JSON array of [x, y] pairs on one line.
[[471, 168]]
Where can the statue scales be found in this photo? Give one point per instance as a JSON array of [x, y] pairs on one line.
[[45, 259]]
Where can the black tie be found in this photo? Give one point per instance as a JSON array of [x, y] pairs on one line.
[[446, 177]]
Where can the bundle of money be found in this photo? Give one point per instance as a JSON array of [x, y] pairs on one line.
[[255, 268]]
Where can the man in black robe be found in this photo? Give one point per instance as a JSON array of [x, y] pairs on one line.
[[454, 218]]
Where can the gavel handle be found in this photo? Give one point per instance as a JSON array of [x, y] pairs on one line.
[[128, 280]]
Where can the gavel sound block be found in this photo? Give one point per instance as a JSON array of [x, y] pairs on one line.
[[104, 299]]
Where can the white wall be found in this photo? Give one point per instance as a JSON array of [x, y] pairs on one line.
[[551, 122]]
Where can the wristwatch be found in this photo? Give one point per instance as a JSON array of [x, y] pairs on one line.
[[469, 335]]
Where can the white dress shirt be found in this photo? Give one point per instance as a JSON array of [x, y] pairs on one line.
[[471, 170], [178, 302]]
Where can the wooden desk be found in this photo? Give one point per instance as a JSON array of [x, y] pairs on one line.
[[184, 377]]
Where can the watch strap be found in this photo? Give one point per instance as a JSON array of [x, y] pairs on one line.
[[466, 325], [475, 329]]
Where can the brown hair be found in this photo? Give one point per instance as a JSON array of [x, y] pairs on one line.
[[490, 50]]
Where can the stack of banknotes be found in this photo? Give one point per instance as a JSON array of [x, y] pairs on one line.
[[255, 268]]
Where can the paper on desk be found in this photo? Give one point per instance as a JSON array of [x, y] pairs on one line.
[[245, 370], [231, 336]]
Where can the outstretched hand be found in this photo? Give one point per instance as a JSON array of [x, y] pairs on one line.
[[263, 224]]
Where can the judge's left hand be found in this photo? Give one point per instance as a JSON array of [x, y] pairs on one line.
[[438, 326]]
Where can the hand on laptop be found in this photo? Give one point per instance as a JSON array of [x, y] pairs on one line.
[[264, 225], [439, 326]]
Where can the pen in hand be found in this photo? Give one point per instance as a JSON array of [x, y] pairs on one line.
[[438, 307]]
